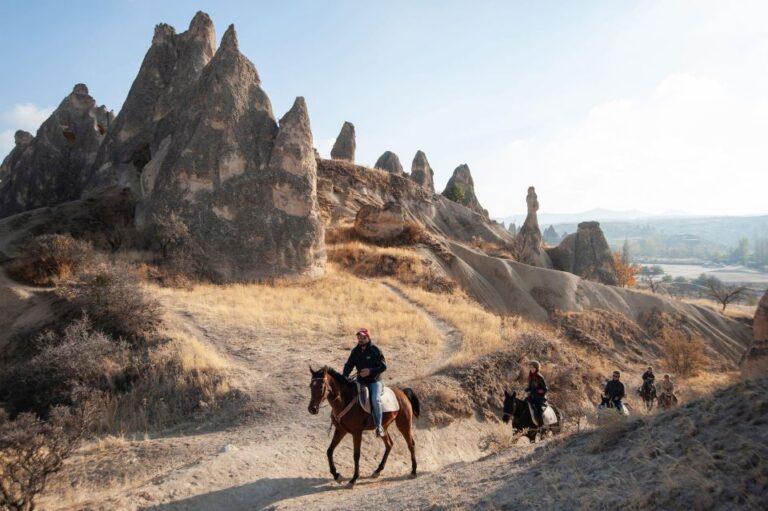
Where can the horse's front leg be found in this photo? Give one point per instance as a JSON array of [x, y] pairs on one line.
[[357, 440], [338, 434]]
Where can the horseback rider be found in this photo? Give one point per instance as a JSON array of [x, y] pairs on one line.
[[667, 387], [537, 391], [368, 359], [648, 378], [614, 391]]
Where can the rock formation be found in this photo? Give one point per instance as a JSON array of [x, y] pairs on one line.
[[380, 223], [586, 253], [344, 147], [245, 190], [51, 167], [754, 364], [422, 173], [512, 229], [529, 245], [165, 86], [389, 162], [550, 236], [461, 189]]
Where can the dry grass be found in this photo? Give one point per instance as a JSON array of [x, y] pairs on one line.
[[483, 331], [408, 266], [335, 305], [734, 310]]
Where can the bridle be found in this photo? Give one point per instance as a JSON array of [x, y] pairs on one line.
[[326, 390]]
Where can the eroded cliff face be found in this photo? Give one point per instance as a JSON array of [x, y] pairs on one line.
[[586, 253], [422, 172], [755, 361], [245, 188], [52, 167]]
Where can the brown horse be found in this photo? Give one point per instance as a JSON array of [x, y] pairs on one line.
[[349, 417]]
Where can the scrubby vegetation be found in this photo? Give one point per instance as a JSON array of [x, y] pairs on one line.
[[50, 259]]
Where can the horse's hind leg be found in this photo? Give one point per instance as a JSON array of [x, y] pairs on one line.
[[405, 425], [387, 447], [338, 434]]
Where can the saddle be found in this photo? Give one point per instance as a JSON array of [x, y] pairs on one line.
[[547, 413], [389, 401]]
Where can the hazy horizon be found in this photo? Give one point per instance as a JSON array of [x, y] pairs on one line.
[[653, 106]]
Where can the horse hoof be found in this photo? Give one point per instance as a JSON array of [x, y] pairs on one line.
[[338, 478], [376, 474], [351, 484], [413, 475]]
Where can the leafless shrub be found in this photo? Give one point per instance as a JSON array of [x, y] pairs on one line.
[[32, 449], [683, 356], [64, 365], [50, 259], [115, 302]]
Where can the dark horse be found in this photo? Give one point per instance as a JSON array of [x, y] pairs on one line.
[[521, 417], [349, 417], [648, 393]]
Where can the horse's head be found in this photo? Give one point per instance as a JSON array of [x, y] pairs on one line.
[[510, 405], [319, 387]]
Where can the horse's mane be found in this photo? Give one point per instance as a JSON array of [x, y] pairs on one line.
[[340, 378]]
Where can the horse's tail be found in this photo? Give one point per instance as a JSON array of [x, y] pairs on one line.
[[411, 395]]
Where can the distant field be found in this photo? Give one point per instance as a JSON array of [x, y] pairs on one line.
[[726, 274]]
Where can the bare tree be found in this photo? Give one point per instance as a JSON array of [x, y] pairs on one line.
[[723, 293], [651, 276], [32, 449]]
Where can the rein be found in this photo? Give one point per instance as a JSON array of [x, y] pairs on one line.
[[337, 397]]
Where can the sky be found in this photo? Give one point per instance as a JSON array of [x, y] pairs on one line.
[[657, 106]]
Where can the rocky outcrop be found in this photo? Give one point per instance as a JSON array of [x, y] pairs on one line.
[[512, 229], [461, 189], [389, 162], [586, 253], [550, 236], [422, 173], [754, 364], [51, 167], [380, 224], [344, 147], [529, 244], [163, 88], [216, 160]]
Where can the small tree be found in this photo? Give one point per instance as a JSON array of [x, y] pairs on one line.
[[625, 273], [651, 276], [32, 449], [684, 357], [170, 232], [456, 194], [626, 257], [723, 293]]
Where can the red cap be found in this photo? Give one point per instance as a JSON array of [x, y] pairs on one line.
[[363, 331]]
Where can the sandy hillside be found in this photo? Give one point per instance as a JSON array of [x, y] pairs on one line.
[[268, 449]]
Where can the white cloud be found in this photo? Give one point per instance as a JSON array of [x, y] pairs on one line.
[[24, 116], [689, 144]]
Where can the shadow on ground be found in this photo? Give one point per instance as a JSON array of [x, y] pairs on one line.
[[261, 494]]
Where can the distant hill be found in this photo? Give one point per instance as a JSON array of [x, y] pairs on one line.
[[598, 214]]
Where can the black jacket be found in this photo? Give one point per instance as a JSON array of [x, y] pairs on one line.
[[649, 376], [537, 386], [370, 358], [614, 389]]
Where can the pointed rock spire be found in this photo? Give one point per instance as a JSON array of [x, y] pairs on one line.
[[389, 162], [344, 147], [461, 189], [52, 167], [293, 151], [422, 173], [229, 40], [586, 253], [529, 244]]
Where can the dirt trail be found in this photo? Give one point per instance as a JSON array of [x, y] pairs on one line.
[[276, 453], [452, 338]]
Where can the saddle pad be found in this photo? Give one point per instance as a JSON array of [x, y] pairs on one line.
[[389, 401], [549, 415]]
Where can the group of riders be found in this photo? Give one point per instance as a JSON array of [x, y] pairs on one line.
[[369, 362]]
